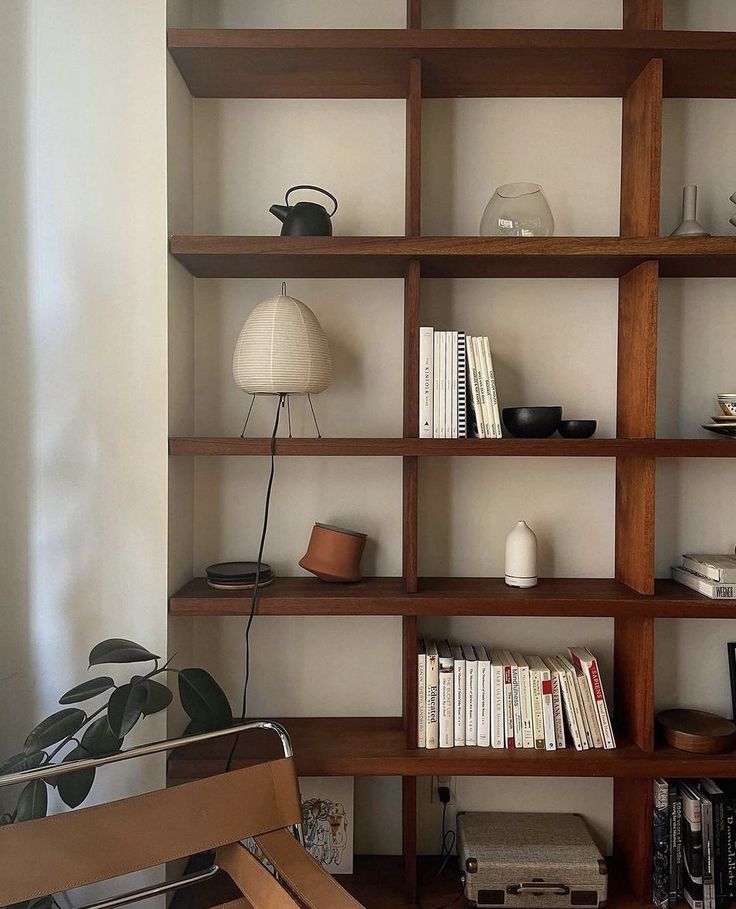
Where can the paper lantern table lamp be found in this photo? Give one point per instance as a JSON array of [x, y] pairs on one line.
[[282, 350]]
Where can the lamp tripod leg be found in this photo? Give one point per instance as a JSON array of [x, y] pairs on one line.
[[247, 417], [288, 413], [314, 416]]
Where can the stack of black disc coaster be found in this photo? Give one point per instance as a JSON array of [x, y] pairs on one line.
[[238, 575]]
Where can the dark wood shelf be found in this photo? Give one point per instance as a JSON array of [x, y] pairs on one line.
[[452, 257], [452, 596], [456, 63], [722, 447], [376, 746]]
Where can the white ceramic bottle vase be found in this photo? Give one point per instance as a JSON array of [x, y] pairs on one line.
[[689, 226], [521, 556]]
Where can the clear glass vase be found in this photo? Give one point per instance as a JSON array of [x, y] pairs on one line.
[[517, 210]]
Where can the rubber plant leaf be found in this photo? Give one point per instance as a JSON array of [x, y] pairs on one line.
[[158, 697], [54, 728], [205, 703], [99, 740], [22, 761], [119, 650], [32, 802], [125, 708], [73, 788], [87, 690]]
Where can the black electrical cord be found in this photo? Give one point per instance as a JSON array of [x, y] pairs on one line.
[[254, 598], [446, 849]]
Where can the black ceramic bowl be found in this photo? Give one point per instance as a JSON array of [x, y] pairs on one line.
[[532, 422], [577, 429]]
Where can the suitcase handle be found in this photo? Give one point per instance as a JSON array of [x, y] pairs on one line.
[[537, 887]]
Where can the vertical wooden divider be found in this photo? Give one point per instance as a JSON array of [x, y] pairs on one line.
[[410, 480], [635, 477], [643, 14]]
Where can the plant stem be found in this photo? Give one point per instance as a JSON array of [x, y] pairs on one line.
[[70, 738]]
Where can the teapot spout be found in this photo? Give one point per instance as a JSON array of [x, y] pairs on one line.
[[280, 211]]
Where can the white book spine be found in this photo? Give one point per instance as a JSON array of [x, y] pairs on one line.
[[527, 729], [482, 386], [537, 710], [438, 396], [433, 715], [454, 384], [548, 711], [559, 720], [474, 386], [498, 726], [508, 705], [708, 588], [459, 711], [516, 702], [447, 729], [471, 702], [422, 700], [492, 391], [484, 701], [572, 723], [426, 382], [591, 714], [572, 687], [448, 384]]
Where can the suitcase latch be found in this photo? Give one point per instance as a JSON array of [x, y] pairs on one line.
[[538, 887]]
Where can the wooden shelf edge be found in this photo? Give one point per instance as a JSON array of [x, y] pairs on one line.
[[400, 447], [375, 746], [367, 257]]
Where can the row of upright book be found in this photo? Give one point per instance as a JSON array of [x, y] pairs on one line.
[[457, 387], [471, 695], [694, 843]]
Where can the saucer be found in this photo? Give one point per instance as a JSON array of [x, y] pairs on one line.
[[724, 429]]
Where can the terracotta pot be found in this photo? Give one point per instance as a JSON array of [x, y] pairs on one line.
[[334, 553]]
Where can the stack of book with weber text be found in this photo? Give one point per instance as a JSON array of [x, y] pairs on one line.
[[694, 847], [457, 387], [712, 575], [469, 694]]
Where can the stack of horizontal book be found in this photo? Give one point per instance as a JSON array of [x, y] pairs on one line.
[[694, 843], [457, 387], [472, 695], [712, 575]]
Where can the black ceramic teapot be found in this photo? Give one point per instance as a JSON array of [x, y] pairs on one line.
[[305, 219]]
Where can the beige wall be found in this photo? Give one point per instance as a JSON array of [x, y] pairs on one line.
[[83, 273]]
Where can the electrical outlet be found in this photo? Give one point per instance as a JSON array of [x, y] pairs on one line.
[[445, 781]]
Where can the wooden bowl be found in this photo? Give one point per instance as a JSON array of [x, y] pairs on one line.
[[697, 731]]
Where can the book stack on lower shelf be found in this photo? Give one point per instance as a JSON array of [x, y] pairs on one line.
[[457, 387], [473, 695], [694, 843], [712, 575]]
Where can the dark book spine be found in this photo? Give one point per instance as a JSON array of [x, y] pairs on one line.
[[674, 807], [661, 846], [721, 850], [730, 842], [678, 847]]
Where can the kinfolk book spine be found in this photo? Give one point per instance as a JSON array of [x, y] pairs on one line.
[[446, 696], [421, 696], [484, 697], [660, 846], [426, 382], [471, 695], [433, 685], [498, 698], [458, 669]]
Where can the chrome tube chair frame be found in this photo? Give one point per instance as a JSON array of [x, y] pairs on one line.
[[40, 773]]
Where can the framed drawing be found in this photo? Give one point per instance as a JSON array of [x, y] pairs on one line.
[[327, 828]]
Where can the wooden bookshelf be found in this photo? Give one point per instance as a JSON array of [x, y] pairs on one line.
[[641, 64], [452, 596], [452, 257]]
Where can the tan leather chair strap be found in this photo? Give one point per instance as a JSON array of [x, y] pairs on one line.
[[259, 887], [306, 877], [94, 844]]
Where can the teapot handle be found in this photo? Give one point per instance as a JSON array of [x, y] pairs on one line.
[[316, 189]]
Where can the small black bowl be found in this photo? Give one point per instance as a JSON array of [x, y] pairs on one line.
[[532, 422], [577, 429]]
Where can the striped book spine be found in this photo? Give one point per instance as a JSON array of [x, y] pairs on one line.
[[462, 387]]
